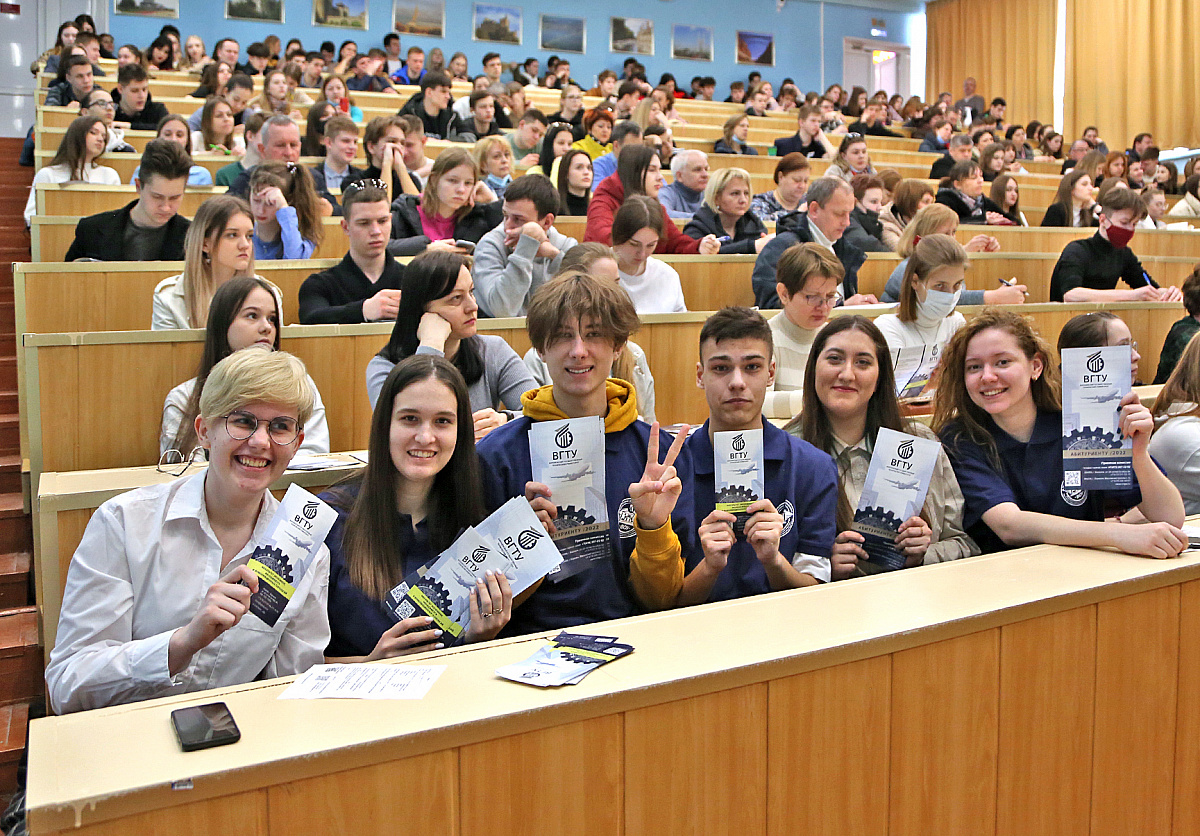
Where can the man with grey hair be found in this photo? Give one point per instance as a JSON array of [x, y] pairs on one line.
[[279, 140], [1079, 150], [684, 197], [830, 201], [959, 149]]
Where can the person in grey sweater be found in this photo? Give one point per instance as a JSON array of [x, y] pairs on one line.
[[438, 315], [523, 252]]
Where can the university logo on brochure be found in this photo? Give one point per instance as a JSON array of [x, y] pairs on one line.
[[310, 510], [1095, 363], [738, 443], [528, 538], [563, 438], [905, 450]]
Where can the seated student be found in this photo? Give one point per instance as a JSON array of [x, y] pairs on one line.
[[341, 147], [494, 160], [275, 97], [579, 325], [462, 106], [1006, 194], [218, 134], [412, 69], [524, 251], [726, 214], [365, 285], [991, 161], [809, 140], [625, 132], [852, 159], [75, 161], [734, 132], [555, 143], [598, 261], [849, 395], [575, 178], [1088, 269], [570, 110], [438, 315], [312, 143], [173, 128], [1189, 205], [908, 198], [383, 140], [228, 175], [653, 285], [365, 76], [77, 82], [757, 101], [1097, 329], [791, 184], [148, 229], [960, 150], [872, 121], [998, 413], [937, 141], [1073, 202], [526, 140], [287, 220], [446, 211], [1156, 209], [929, 293], [639, 173], [830, 200], [99, 103], [432, 106], [130, 628], [244, 314], [420, 488], [218, 247], [238, 92], [482, 119], [684, 197], [135, 107], [788, 535], [414, 148], [964, 194], [866, 229], [1182, 330], [278, 140], [333, 90], [1176, 440]]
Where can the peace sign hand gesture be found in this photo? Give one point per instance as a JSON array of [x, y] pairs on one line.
[[655, 495]]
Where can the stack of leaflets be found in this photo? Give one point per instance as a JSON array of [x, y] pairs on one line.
[[566, 660], [739, 469], [914, 366], [897, 481], [511, 541], [294, 536], [1095, 455]]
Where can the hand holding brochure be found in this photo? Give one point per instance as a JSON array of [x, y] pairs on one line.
[[294, 536], [566, 660], [897, 482], [1094, 453], [739, 473], [914, 365], [568, 457]]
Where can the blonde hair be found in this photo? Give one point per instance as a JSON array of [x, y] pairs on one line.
[[256, 375], [197, 279], [484, 146], [930, 253], [927, 221], [1183, 386], [263, 100], [720, 179]]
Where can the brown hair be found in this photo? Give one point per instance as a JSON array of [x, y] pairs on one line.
[[573, 295], [788, 163], [448, 160], [1183, 386], [907, 196], [800, 262], [930, 253], [999, 186], [297, 186], [637, 213], [927, 221]]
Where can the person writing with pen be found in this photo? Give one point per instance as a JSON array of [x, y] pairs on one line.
[[1088, 269]]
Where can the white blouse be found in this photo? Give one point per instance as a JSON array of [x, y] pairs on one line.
[[92, 173], [656, 290]]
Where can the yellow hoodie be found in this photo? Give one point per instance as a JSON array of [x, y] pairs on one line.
[[656, 564]]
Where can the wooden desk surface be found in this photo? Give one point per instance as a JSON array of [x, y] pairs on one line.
[[98, 765]]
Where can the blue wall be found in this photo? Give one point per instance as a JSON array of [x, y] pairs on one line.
[[796, 29]]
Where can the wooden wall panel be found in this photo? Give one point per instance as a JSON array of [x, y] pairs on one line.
[[1047, 690], [244, 813], [421, 792], [944, 737], [698, 765], [566, 779], [1137, 666], [828, 737], [1187, 729]]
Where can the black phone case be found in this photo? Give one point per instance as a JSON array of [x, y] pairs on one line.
[[223, 737]]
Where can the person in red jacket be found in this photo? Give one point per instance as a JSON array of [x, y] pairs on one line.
[[639, 171]]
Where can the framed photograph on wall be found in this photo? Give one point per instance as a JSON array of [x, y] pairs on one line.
[[343, 14], [693, 43], [420, 17], [147, 8], [562, 34], [264, 11], [633, 35], [496, 24], [756, 48]]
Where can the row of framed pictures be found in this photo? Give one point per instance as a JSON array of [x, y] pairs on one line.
[[491, 22]]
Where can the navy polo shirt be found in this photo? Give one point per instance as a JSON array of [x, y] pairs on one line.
[[800, 480], [356, 621], [1031, 477], [601, 592]]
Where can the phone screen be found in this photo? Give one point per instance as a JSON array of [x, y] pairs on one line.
[[204, 726]]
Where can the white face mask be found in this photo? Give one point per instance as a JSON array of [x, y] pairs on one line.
[[937, 306]]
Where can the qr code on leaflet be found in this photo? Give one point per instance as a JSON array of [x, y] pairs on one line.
[[1074, 478], [405, 610]]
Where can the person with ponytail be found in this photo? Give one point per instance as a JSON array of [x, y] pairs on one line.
[[287, 219]]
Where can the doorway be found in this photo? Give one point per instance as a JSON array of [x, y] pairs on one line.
[[877, 65]]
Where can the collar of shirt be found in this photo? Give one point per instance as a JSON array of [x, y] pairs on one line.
[[862, 447], [793, 331], [188, 503], [818, 236]]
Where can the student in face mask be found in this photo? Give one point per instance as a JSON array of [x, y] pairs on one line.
[[932, 285]]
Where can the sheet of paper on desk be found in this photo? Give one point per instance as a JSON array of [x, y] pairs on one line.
[[300, 461], [566, 660], [364, 682], [1193, 535]]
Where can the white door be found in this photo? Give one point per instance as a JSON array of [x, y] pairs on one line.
[[876, 65]]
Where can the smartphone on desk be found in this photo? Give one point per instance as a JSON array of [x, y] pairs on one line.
[[205, 726]]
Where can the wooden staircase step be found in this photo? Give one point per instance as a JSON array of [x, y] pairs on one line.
[[14, 580], [8, 402], [10, 473], [21, 676], [10, 430], [14, 730], [8, 380], [16, 527]]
